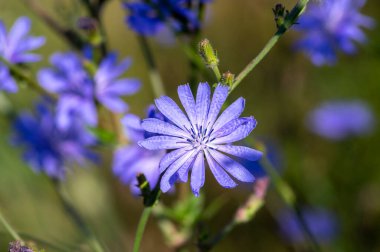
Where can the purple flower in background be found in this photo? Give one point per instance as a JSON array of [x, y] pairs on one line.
[[199, 134], [329, 26], [149, 17], [338, 120], [108, 88], [74, 86], [14, 48], [7, 83], [131, 160], [48, 148], [321, 223]]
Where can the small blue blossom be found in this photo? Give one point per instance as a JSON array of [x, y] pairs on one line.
[[14, 48], [330, 26], [48, 148], [150, 17], [78, 91], [7, 83], [338, 120], [74, 86], [198, 134], [322, 224], [131, 160], [109, 88]]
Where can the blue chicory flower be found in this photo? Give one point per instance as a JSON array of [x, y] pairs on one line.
[[338, 120], [329, 26], [14, 48], [78, 91], [48, 148], [199, 134], [109, 88], [131, 160], [323, 225], [149, 17], [74, 86]]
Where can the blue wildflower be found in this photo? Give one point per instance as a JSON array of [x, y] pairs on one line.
[[198, 135], [338, 120], [322, 224], [7, 83], [150, 17], [109, 88], [78, 91], [329, 26], [74, 86], [131, 160], [14, 48], [48, 148]]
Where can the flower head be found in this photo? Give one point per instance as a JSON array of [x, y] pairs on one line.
[[322, 224], [150, 17], [338, 120], [48, 148], [74, 86], [14, 48], [131, 160], [330, 26], [15, 45], [109, 88], [201, 134]]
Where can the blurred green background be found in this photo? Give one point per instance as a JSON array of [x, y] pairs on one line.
[[343, 177]]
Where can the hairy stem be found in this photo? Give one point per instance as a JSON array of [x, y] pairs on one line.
[[141, 227], [290, 19]]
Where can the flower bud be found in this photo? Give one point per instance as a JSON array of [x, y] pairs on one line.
[[208, 53]]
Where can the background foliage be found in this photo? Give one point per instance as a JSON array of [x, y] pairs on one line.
[[343, 177]]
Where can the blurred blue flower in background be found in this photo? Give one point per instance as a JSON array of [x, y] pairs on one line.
[[201, 134], [338, 120], [132, 160], [149, 17], [330, 26], [323, 225], [109, 88], [74, 86], [14, 48], [48, 148]]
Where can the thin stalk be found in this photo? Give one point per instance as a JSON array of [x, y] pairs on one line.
[[10, 229], [77, 219], [269, 45], [220, 236], [290, 19], [141, 227], [289, 197], [18, 72], [154, 75]]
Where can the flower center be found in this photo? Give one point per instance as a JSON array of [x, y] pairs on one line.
[[201, 138]]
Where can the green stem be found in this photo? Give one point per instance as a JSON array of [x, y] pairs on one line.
[[289, 197], [290, 19], [77, 219], [18, 72], [10, 229], [283, 188], [141, 227], [217, 74], [217, 238], [269, 45], [154, 75]]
